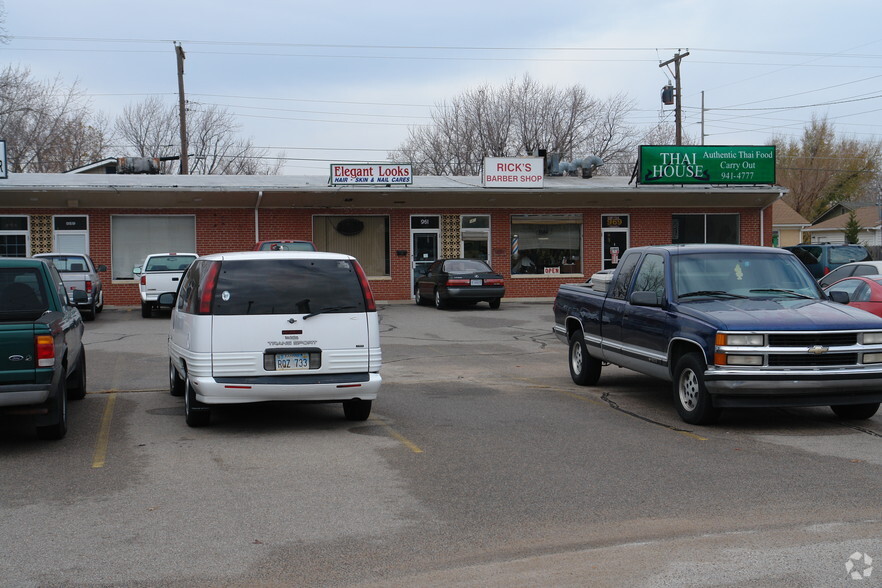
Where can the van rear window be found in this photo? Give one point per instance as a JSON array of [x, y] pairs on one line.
[[287, 286]]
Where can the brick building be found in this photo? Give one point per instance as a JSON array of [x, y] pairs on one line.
[[537, 238]]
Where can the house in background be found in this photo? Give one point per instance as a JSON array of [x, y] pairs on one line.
[[787, 225], [832, 229]]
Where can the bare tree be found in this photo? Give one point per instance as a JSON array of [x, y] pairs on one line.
[[518, 118], [48, 127], [151, 129], [821, 169]]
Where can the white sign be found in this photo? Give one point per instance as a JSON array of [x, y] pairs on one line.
[[513, 172], [3, 171], [366, 174]]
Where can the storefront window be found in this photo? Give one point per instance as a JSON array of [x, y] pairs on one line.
[[546, 244], [475, 236], [14, 236], [365, 238], [705, 228]]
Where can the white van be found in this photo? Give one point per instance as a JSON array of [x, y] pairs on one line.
[[264, 326]]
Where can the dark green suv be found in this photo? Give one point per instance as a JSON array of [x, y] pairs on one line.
[[822, 259]]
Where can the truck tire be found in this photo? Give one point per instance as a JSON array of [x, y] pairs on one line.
[[356, 410], [100, 306], [584, 369], [858, 412], [196, 413], [176, 384], [91, 313], [76, 382], [146, 310], [691, 397], [58, 428]]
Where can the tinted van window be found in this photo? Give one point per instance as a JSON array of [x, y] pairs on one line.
[[287, 286]]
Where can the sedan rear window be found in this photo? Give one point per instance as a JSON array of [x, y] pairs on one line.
[[287, 286]]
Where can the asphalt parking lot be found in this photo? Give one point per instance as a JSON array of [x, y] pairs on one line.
[[482, 464]]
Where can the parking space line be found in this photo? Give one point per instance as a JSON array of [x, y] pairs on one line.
[[396, 435], [100, 455]]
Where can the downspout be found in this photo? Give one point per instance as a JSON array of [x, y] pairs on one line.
[[257, 216]]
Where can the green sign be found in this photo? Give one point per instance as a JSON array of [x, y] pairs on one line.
[[737, 164]]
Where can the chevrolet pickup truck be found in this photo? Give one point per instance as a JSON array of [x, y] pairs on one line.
[[80, 273], [159, 273], [42, 359], [728, 326]]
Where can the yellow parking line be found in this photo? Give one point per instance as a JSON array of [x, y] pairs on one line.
[[100, 454], [397, 436]]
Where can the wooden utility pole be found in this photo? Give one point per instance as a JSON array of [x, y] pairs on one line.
[[678, 105], [182, 106]]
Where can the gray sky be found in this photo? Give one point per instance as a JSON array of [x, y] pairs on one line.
[[341, 81]]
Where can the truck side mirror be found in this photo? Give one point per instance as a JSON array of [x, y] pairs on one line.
[[839, 296], [645, 298], [136, 270], [101, 268]]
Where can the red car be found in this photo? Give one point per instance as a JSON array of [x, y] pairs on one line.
[[864, 292], [284, 245]]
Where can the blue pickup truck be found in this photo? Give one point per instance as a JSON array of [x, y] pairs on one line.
[[729, 326]]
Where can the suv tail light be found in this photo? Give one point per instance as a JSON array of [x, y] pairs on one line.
[[44, 348], [206, 288], [370, 305]]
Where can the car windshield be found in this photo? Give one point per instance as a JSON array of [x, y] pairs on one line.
[[69, 263], [466, 265], [169, 263], [734, 275]]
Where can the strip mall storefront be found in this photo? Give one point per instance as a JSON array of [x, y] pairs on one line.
[[537, 237]]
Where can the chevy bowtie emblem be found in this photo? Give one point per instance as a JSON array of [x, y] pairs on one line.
[[818, 349]]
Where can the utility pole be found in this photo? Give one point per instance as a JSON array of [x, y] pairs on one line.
[[182, 106], [702, 117], [678, 108]]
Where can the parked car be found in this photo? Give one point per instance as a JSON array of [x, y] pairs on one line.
[[43, 360], [824, 258], [251, 327], [864, 292], [859, 268], [460, 280], [158, 273], [284, 245], [79, 272]]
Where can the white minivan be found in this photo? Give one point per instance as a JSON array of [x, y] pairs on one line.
[[264, 326]]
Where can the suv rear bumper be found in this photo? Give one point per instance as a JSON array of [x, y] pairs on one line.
[[304, 388]]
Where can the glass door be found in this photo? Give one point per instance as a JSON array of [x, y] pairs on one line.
[[425, 237]]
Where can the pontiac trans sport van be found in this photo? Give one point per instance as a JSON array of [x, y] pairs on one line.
[[266, 326]]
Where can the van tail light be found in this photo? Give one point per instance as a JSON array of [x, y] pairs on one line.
[[370, 305], [88, 286], [457, 282], [44, 348], [206, 288]]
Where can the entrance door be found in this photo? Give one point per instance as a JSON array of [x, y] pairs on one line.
[[425, 237], [615, 239]]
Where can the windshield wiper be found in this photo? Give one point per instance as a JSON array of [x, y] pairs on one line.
[[710, 293], [783, 291], [327, 309]]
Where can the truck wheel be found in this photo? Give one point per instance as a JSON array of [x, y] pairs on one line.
[[100, 306], [58, 428], [90, 314], [690, 394], [356, 410], [76, 383], [855, 411], [146, 310], [584, 369], [196, 413], [176, 385]]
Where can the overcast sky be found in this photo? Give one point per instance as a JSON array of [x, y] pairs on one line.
[[342, 81]]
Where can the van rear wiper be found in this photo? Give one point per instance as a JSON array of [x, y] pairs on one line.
[[327, 309]]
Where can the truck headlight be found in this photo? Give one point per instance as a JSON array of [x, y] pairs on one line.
[[871, 338], [740, 339]]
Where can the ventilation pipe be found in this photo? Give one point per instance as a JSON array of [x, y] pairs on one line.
[[586, 164]]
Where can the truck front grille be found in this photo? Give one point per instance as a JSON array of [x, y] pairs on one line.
[[811, 360], [812, 339]]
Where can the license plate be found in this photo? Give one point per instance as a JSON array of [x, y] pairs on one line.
[[476, 283], [292, 361]]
